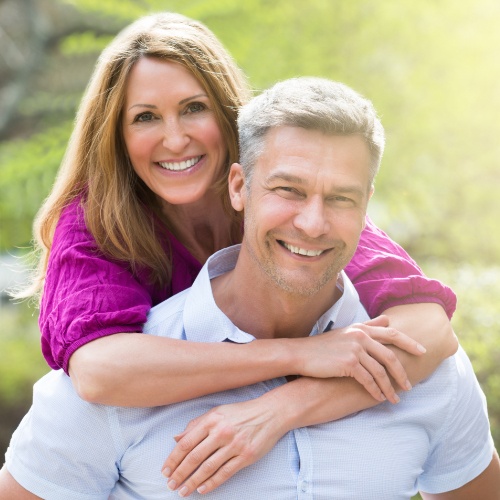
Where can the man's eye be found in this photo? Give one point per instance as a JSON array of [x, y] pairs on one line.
[[287, 192], [144, 117], [343, 200]]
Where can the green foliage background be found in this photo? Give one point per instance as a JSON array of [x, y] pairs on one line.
[[432, 70]]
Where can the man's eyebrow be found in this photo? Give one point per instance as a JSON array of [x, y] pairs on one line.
[[285, 176]]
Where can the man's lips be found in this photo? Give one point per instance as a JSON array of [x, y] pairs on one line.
[[301, 251]]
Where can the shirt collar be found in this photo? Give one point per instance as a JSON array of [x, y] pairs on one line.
[[344, 312], [205, 322]]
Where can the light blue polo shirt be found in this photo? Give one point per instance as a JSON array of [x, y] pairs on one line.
[[436, 439]]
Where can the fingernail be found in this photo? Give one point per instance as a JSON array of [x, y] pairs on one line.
[[183, 491], [408, 385], [396, 399], [171, 485], [202, 489], [421, 348], [166, 472]]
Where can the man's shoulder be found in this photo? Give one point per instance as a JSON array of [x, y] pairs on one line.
[[166, 314], [452, 389]]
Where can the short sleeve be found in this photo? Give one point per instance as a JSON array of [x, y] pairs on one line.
[[465, 447], [386, 276], [65, 448], [86, 296]]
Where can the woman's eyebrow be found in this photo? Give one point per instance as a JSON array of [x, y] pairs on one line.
[[139, 105], [152, 106], [191, 98]]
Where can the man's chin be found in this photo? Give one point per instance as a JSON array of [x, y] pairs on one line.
[[305, 287]]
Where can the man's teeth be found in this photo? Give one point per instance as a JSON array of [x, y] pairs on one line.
[[302, 251], [180, 165]]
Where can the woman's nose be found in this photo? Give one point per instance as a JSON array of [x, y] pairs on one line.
[[175, 137]]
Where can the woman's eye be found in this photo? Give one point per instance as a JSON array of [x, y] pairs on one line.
[[196, 107], [144, 117]]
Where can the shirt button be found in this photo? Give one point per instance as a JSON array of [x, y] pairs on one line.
[[304, 486]]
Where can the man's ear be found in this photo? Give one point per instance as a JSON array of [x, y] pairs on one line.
[[236, 185]]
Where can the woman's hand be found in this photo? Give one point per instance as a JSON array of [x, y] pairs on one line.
[[216, 445], [358, 351]]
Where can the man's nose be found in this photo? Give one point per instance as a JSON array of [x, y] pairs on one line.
[[312, 219], [175, 136]]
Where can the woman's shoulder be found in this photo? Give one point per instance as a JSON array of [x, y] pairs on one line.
[[71, 225]]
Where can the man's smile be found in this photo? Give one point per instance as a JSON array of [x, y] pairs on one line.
[[300, 251]]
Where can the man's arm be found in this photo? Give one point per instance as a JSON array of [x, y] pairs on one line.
[[10, 488], [486, 486]]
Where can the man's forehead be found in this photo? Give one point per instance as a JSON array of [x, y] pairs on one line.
[[302, 156]]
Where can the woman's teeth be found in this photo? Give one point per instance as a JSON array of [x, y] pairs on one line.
[[302, 251], [180, 165]]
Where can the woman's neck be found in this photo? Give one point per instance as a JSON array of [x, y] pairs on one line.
[[203, 228]]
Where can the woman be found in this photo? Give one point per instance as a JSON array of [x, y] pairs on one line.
[[141, 202]]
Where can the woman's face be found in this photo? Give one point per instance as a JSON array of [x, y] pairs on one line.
[[171, 133]]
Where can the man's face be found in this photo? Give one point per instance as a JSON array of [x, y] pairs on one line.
[[305, 207]]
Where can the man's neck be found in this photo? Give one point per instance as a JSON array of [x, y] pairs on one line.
[[259, 307]]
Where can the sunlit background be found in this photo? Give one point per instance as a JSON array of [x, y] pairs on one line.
[[432, 69]]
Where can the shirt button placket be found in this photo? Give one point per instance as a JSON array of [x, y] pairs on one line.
[[305, 490], [304, 483], [304, 486]]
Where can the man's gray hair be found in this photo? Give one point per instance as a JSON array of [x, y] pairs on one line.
[[313, 104]]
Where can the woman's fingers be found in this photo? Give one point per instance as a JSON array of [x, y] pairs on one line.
[[220, 443], [361, 351], [381, 320], [191, 438], [364, 377], [215, 470], [378, 329], [381, 380]]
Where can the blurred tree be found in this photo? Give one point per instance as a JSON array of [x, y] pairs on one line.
[[431, 68]]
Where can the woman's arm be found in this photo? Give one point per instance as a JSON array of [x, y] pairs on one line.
[[386, 276], [147, 370], [234, 436]]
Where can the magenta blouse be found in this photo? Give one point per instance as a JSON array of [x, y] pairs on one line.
[[87, 296]]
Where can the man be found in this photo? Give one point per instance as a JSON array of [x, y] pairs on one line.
[[310, 149]]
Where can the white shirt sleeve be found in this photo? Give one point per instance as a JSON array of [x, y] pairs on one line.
[[464, 447], [64, 447]]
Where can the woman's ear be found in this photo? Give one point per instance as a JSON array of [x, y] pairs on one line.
[[236, 184]]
